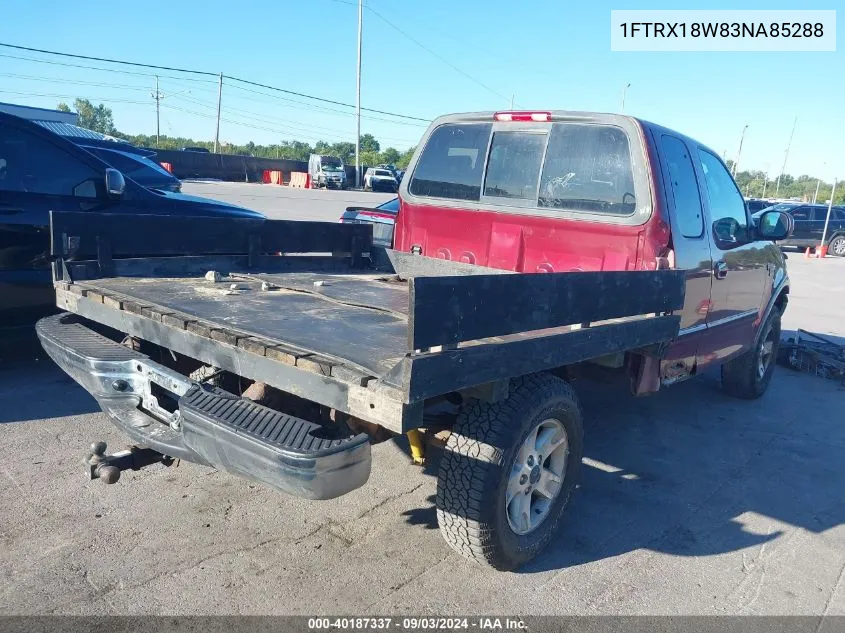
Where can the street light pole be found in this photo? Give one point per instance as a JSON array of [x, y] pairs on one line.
[[785, 156], [739, 151], [818, 182], [624, 90], [358, 99]]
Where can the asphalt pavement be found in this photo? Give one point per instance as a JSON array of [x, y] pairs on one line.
[[690, 503]]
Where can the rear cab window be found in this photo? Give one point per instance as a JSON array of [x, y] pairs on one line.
[[549, 168]]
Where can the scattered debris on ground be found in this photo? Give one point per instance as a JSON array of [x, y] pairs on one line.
[[813, 354]]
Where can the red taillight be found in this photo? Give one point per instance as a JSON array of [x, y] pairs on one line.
[[541, 117]]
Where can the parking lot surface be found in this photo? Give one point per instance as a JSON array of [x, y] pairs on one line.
[[284, 203], [690, 503]]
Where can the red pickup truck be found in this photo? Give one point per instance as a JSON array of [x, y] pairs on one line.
[[318, 343]]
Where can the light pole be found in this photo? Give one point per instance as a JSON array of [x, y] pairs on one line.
[[358, 99], [818, 182], [624, 90], [766, 179], [786, 156], [739, 151]]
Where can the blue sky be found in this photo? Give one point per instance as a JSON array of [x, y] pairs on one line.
[[547, 54]]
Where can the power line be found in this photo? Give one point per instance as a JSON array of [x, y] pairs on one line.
[[311, 108], [108, 60], [66, 96], [73, 81], [431, 52], [340, 103], [422, 46], [206, 73], [262, 118], [107, 70]]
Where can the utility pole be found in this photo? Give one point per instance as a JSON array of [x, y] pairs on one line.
[[512, 96], [786, 156], [219, 98], [739, 151], [157, 96], [358, 98], [624, 90]]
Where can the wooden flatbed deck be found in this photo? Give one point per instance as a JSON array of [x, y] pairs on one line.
[[353, 319]]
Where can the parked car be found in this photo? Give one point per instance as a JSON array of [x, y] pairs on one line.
[[381, 217], [41, 171], [756, 204], [136, 163], [809, 226], [651, 266], [380, 180]]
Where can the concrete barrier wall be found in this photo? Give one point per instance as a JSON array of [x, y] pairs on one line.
[[234, 168]]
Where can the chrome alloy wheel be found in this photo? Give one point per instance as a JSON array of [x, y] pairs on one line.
[[536, 476]]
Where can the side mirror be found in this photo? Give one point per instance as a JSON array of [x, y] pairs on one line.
[[775, 225], [115, 184]]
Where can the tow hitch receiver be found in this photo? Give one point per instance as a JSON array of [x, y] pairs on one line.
[[108, 467]]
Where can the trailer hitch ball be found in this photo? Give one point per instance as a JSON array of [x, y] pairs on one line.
[[99, 468]]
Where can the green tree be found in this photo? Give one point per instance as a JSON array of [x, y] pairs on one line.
[[63, 107], [369, 158], [98, 118], [369, 143], [405, 158], [390, 156], [344, 151]]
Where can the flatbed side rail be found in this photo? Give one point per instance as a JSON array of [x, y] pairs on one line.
[[434, 373], [451, 310], [105, 237]]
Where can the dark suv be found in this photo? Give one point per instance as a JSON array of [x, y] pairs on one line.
[[40, 172], [809, 226]]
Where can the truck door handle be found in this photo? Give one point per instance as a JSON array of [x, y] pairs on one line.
[[720, 270]]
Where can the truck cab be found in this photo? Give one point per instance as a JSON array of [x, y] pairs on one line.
[[542, 192]]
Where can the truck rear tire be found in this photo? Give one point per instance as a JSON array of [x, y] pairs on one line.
[[748, 376], [508, 471]]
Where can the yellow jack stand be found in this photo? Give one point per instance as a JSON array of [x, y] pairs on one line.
[[415, 439]]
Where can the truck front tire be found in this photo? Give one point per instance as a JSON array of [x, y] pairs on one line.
[[748, 376], [508, 471]]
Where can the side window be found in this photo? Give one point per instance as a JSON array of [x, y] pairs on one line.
[[727, 207], [452, 162], [588, 168], [514, 165], [684, 187], [802, 213], [31, 164]]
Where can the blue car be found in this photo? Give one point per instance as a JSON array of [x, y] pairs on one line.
[[41, 171]]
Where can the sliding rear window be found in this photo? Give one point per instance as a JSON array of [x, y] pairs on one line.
[[452, 163], [588, 168], [565, 166]]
